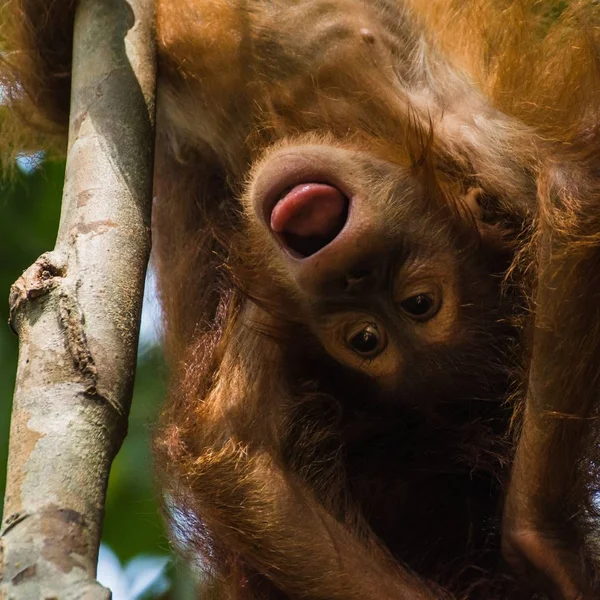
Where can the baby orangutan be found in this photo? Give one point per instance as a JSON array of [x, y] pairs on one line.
[[377, 237]]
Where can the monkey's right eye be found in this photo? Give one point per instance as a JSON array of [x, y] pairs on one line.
[[367, 341], [420, 307]]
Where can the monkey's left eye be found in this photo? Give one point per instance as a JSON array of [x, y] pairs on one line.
[[367, 341], [420, 307]]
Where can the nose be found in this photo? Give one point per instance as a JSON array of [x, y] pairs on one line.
[[350, 264], [358, 280]]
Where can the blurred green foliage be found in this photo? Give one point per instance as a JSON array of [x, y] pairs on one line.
[[29, 216]]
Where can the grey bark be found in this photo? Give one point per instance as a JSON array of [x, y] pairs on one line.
[[76, 311]]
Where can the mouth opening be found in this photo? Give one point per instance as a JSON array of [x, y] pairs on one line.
[[308, 217]]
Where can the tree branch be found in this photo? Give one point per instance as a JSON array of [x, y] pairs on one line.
[[76, 311]]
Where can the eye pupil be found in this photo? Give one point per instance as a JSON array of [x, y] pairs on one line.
[[366, 340], [417, 306]]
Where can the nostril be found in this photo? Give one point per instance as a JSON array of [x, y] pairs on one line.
[[309, 217], [357, 278]]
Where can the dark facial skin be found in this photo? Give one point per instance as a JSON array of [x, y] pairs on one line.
[[382, 285]]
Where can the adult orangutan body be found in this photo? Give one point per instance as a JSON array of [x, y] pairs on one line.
[[377, 242]]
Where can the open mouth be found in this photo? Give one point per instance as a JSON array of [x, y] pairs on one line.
[[309, 216]]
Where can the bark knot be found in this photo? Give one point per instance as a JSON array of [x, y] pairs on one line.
[[37, 281]]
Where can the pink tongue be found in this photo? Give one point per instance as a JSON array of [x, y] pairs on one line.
[[310, 209]]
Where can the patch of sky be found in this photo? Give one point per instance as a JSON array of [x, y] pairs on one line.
[[29, 162], [142, 578], [151, 315]]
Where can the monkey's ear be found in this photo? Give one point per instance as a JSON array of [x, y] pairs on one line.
[[472, 202]]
